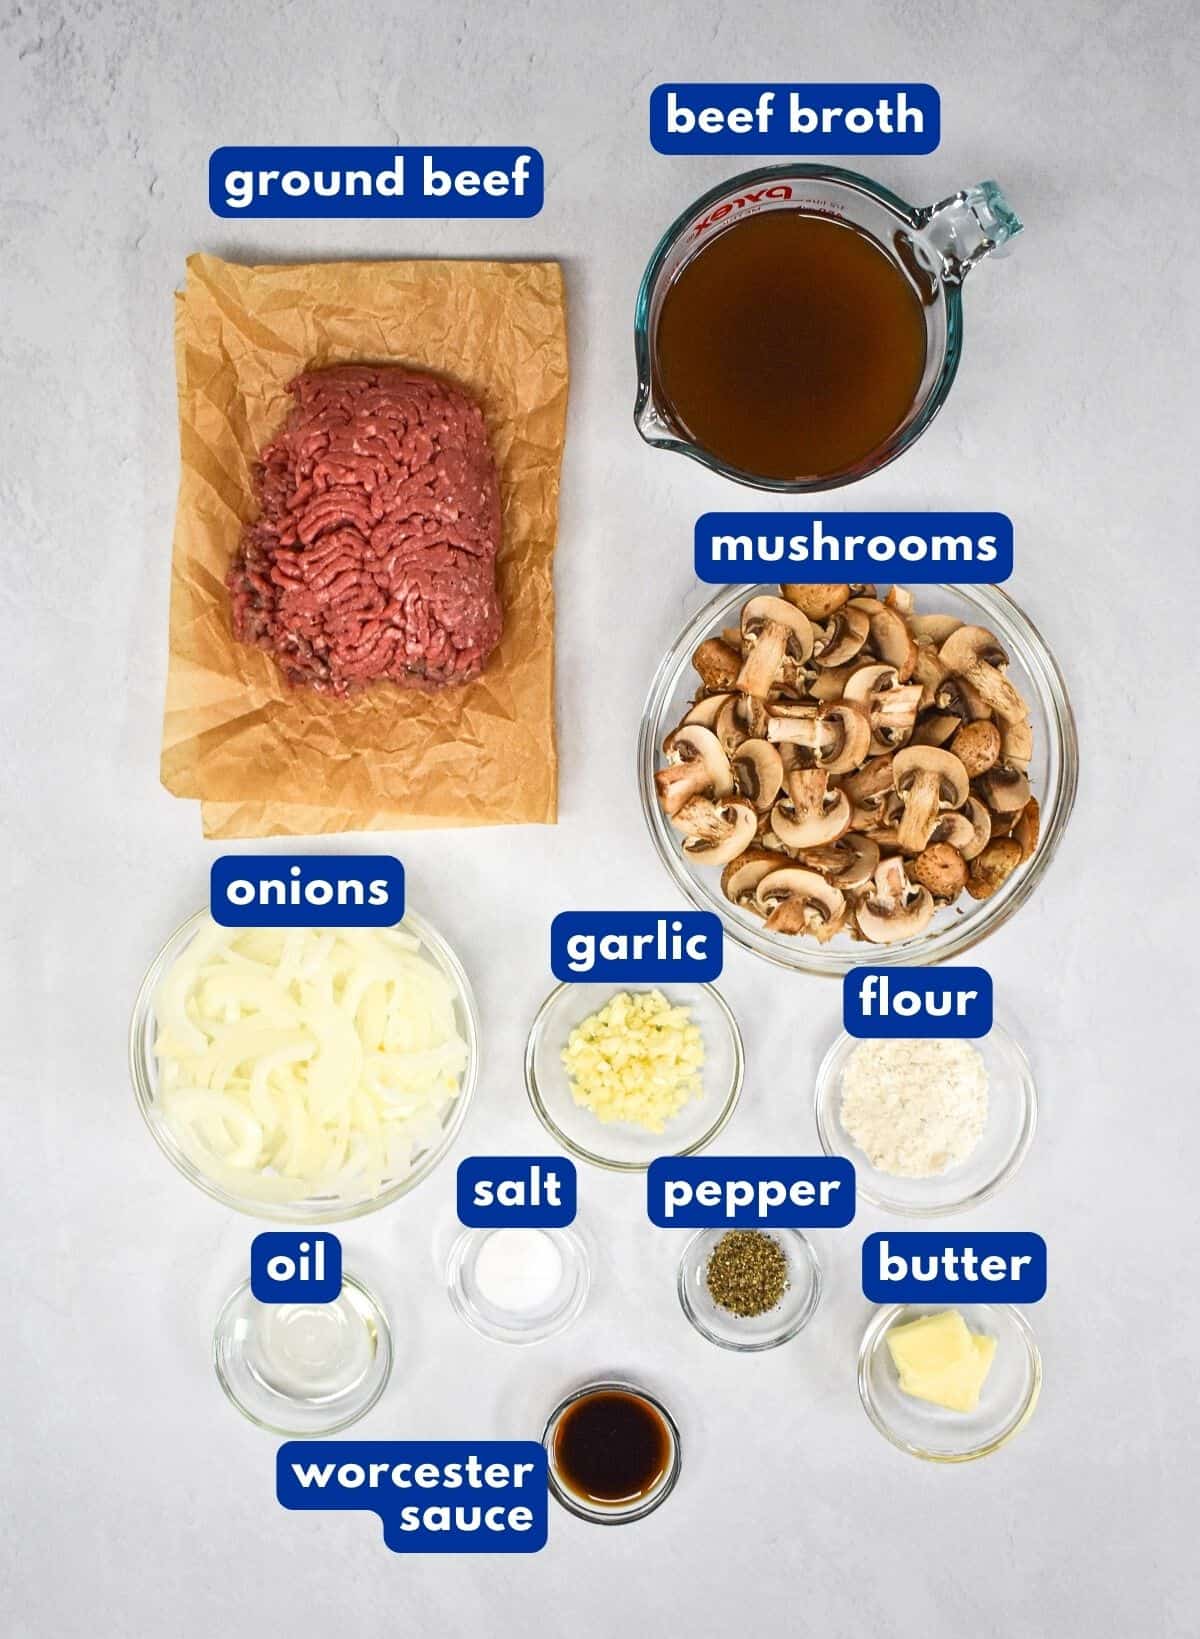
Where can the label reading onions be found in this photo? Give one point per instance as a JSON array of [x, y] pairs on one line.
[[301, 1061]]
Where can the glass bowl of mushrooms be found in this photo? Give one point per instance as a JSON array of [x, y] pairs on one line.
[[857, 774]]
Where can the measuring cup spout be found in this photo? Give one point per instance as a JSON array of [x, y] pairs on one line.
[[970, 225]]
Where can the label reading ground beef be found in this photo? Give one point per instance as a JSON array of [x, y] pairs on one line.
[[374, 553]]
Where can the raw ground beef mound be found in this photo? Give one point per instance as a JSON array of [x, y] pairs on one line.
[[374, 555]]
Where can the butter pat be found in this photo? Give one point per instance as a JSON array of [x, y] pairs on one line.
[[941, 1360]]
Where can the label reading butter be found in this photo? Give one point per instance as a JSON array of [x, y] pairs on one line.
[[930, 1266], [636, 947], [750, 1192], [518, 1191], [433, 1496]]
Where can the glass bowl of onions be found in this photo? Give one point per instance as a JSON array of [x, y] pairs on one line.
[[304, 1075]]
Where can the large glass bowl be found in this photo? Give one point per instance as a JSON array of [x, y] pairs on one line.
[[1053, 774], [307, 1209]]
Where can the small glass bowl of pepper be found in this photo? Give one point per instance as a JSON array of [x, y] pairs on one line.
[[749, 1289]]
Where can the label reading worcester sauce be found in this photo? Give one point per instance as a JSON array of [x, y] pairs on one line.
[[433, 1496], [917, 1002], [306, 891], [795, 119], [918, 548], [387, 182], [636, 947], [516, 1191], [931, 1266]]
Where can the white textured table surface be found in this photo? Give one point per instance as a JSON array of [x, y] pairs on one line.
[[136, 1501]]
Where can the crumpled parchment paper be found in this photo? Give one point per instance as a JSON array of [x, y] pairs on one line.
[[267, 760]]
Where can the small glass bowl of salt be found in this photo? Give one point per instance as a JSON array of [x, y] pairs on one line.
[[518, 1285]]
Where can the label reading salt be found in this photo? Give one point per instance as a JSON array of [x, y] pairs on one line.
[[636, 947], [433, 1496], [288, 1266], [518, 1191], [917, 1003], [750, 1192], [306, 891], [863, 118], [930, 1266]]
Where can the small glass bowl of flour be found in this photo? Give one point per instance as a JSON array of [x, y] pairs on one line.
[[932, 1126]]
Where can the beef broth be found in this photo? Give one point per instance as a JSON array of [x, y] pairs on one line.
[[791, 347]]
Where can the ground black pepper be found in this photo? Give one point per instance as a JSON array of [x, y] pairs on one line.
[[747, 1273]]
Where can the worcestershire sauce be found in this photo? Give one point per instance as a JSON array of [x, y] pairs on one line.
[[611, 1447], [790, 347]]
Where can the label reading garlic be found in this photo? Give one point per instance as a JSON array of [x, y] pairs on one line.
[[917, 548], [636, 947], [917, 1003]]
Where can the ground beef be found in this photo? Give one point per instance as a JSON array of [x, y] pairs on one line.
[[374, 553]]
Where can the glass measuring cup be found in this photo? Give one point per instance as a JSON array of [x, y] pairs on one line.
[[934, 246]]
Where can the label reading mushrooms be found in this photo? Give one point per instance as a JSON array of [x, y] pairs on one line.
[[636, 947], [918, 548], [362, 182], [306, 891], [795, 119]]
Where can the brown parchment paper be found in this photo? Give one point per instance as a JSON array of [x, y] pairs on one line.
[[268, 760]]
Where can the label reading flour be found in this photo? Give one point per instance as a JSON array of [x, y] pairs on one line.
[[917, 1003]]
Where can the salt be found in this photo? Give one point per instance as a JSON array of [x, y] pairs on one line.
[[518, 1270]]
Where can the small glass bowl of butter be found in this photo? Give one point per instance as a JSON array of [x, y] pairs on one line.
[[1011, 1383]]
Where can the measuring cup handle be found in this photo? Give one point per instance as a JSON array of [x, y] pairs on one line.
[[968, 226]]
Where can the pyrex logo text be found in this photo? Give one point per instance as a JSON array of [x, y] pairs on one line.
[[778, 190]]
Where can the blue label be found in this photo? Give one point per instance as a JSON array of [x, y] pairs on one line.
[[745, 1192], [917, 1002], [920, 548], [795, 119], [296, 1266], [307, 182], [306, 891], [636, 947], [929, 1266], [519, 1191], [433, 1496]]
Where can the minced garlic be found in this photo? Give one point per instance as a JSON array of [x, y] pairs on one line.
[[637, 1060]]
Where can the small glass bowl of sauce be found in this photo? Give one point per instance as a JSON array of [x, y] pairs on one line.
[[613, 1452]]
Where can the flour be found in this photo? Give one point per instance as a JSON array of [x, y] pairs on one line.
[[916, 1108]]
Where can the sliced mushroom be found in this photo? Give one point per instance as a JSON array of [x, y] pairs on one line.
[[1028, 828], [716, 832], [929, 672], [1005, 790], [704, 711], [973, 654], [977, 746], [758, 773], [841, 638], [829, 683], [817, 602], [697, 766], [890, 638], [928, 779], [849, 863], [890, 705], [942, 870], [798, 901], [870, 781], [852, 736], [936, 728], [993, 867], [741, 718], [981, 827], [773, 631], [933, 629], [742, 875], [717, 664], [955, 828], [901, 600], [958, 696], [896, 908], [1016, 744], [813, 814]]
